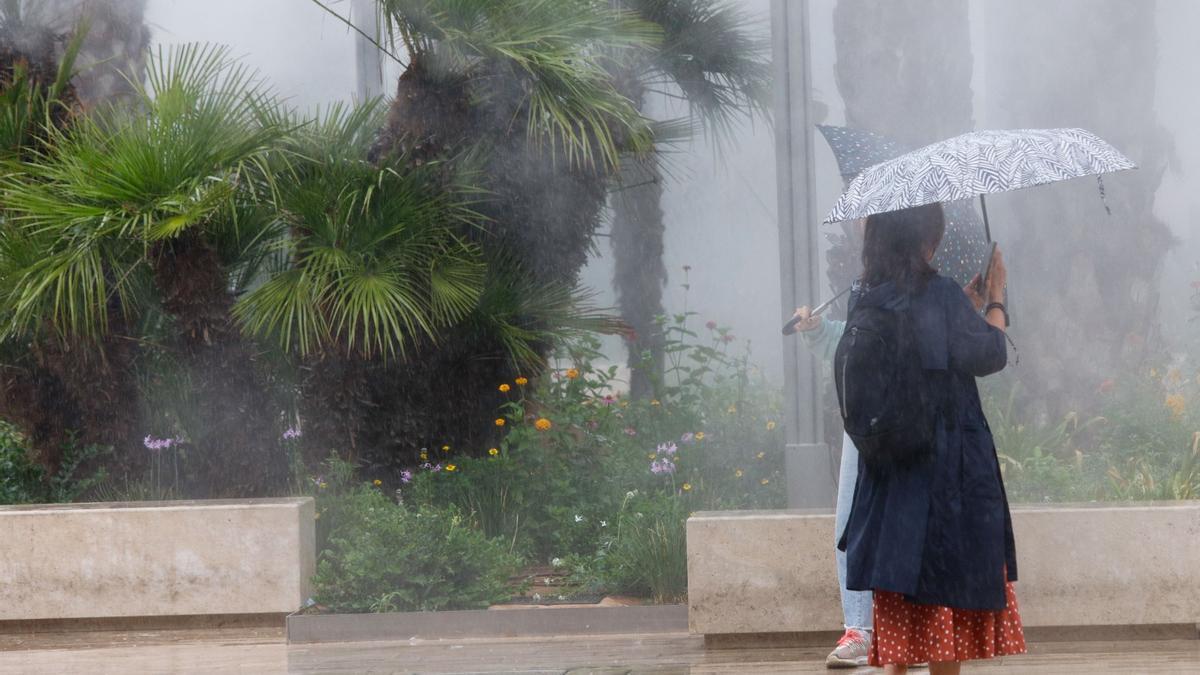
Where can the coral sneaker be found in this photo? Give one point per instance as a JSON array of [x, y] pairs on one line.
[[851, 652]]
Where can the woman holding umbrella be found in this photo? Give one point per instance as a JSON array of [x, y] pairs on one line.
[[932, 537]]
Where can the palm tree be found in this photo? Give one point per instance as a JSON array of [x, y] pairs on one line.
[[711, 58], [522, 92], [143, 214], [56, 392], [371, 267]]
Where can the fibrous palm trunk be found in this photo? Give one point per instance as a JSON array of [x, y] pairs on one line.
[[639, 273], [236, 446], [114, 51], [1086, 282]]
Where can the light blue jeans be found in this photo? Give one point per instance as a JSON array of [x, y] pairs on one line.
[[856, 605]]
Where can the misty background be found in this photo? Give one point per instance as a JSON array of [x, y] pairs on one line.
[[1121, 69]]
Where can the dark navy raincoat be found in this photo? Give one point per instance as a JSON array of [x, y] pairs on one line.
[[939, 532]]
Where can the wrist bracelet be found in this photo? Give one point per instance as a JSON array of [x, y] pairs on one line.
[[1000, 306]]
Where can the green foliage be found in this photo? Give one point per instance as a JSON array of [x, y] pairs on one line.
[[1145, 445], [373, 258], [555, 52], [606, 483], [24, 482], [643, 552], [383, 557], [88, 212]]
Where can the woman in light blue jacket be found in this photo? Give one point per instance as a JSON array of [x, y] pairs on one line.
[[821, 337]]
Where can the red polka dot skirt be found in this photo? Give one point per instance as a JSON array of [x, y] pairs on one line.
[[908, 633]]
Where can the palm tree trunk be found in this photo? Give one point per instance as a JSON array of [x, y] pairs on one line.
[[640, 274], [237, 448], [114, 50], [1086, 282]]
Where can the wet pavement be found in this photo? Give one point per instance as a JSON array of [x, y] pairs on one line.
[[265, 652]]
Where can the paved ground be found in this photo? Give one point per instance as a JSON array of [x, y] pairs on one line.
[[265, 653]]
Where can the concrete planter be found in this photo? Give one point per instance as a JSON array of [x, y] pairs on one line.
[[1096, 565], [156, 559]]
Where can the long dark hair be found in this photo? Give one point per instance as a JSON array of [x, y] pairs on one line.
[[895, 246]]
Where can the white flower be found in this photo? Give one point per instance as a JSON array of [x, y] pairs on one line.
[[579, 519], [604, 523], [631, 494], [557, 562]]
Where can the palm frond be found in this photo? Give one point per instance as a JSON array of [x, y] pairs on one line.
[[713, 52], [98, 195], [376, 258]]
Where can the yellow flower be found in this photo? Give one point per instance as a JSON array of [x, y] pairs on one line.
[[493, 452], [316, 516], [699, 435], [451, 467], [624, 404], [731, 409], [542, 424], [323, 485], [761, 455], [424, 456], [572, 373], [377, 482], [738, 473], [651, 456], [771, 426], [687, 487], [504, 388], [445, 448], [655, 402], [500, 421], [1177, 403], [522, 381], [765, 481]]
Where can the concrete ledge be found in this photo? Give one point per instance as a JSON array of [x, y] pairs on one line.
[[156, 559], [484, 623], [758, 572]]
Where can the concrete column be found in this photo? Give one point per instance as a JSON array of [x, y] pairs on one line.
[[811, 472], [368, 65]]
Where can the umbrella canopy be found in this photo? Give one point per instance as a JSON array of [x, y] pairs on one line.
[[962, 251], [975, 164]]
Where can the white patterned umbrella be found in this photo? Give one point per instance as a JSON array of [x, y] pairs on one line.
[[976, 164]]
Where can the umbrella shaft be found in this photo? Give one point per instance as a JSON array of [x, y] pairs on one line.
[[987, 227]]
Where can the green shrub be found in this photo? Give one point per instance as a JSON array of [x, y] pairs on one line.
[[21, 481], [643, 552], [383, 557], [24, 482]]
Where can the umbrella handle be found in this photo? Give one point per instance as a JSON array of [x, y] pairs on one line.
[[987, 227]]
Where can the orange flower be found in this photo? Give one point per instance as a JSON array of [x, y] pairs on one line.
[[500, 421], [521, 381], [572, 373], [542, 424], [1177, 403], [504, 388]]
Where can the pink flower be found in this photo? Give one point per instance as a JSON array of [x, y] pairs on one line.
[[667, 448], [727, 338], [711, 325], [630, 431], [406, 476], [687, 438]]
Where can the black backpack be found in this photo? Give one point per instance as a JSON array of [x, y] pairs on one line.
[[883, 391]]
